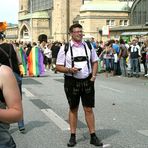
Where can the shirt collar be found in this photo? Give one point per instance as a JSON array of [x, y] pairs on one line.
[[75, 44]]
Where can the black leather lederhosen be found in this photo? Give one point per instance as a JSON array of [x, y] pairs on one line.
[[76, 88]]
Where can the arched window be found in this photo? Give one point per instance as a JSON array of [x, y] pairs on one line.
[[139, 14], [24, 33]]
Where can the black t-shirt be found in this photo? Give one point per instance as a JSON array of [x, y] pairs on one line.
[[1, 95], [4, 60], [100, 49], [55, 49]]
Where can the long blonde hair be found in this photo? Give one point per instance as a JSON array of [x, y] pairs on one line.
[[146, 42]]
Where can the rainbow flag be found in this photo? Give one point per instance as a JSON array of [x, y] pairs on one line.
[[35, 62], [24, 61]]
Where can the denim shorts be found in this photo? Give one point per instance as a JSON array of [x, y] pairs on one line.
[[109, 63]]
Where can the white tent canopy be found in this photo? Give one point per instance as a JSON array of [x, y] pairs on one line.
[[134, 33]]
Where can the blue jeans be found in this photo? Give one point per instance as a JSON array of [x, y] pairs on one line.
[[19, 81], [21, 124], [109, 63], [134, 65], [123, 66]]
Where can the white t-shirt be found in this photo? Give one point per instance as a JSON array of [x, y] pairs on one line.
[[135, 49], [77, 52], [48, 52]]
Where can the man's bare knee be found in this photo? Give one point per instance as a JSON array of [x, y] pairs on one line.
[[88, 110]]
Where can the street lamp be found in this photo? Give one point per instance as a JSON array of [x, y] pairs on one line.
[[31, 5], [127, 2], [67, 21]]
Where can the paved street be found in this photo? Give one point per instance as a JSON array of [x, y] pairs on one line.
[[121, 113]]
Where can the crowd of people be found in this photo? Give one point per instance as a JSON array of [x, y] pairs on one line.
[[117, 57], [38, 57], [80, 65]]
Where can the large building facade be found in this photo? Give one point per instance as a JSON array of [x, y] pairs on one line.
[[138, 22], [53, 18], [98, 17]]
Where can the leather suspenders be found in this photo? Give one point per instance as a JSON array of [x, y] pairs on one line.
[[73, 59]]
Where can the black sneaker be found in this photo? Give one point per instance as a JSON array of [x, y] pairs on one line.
[[72, 142], [22, 130], [95, 141], [130, 75], [137, 75]]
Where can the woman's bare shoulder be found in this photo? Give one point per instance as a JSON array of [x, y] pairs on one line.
[[6, 75], [5, 70]]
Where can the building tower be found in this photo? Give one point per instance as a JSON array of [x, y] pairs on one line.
[[23, 7], [63, 15], [50, 17], [34, 19]]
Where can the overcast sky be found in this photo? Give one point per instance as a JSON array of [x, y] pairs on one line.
[[9, 11]]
